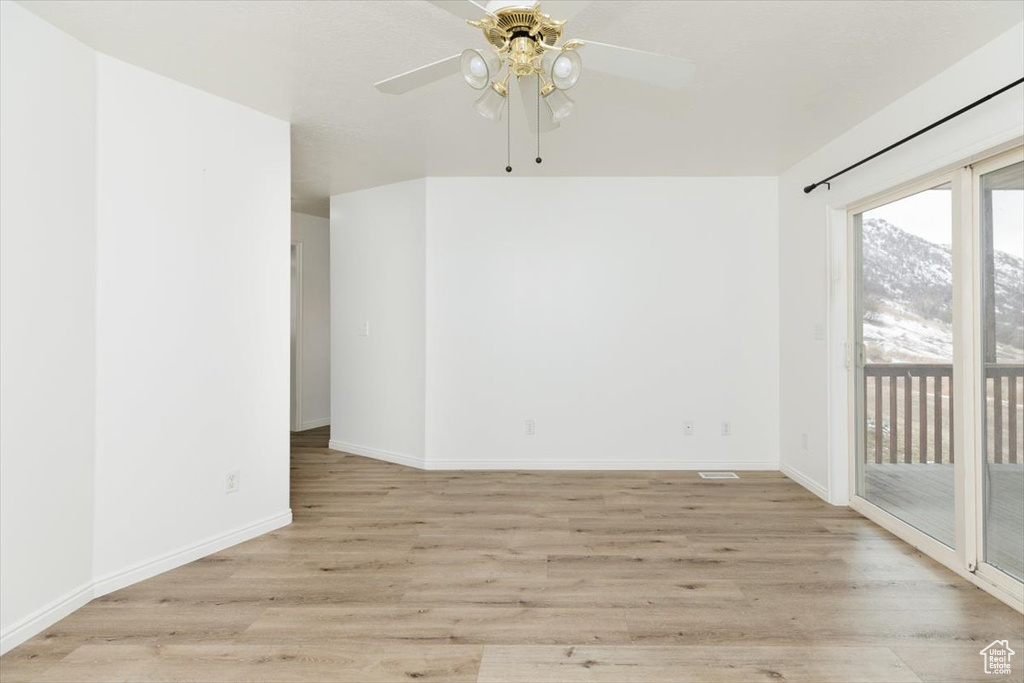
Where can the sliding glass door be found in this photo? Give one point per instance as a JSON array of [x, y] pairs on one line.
[[937, 332], [1000, 195], [904, 329]]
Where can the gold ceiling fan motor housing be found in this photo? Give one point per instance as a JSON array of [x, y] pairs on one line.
[[521, 36]]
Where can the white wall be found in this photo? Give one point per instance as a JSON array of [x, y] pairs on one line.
[[192, 309], [47, 322], [812, 284], [144, 238], [377, 277], [630, 306], [607, 310], [313, 233]]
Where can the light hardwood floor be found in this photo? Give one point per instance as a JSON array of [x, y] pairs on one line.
[[394, 574]]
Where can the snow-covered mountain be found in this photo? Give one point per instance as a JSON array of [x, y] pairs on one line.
[[908, 298]]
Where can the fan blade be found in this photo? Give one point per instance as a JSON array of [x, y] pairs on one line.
[[647, 67], [528, 96], [562, 9], [410, 80], [464, 9]]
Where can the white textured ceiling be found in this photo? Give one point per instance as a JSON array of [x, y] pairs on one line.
[[775, 81]]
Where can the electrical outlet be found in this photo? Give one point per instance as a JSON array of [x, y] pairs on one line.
[[364, 329], [531, 428], [231, 481], [726, 428], [803, 441], [688, 429]]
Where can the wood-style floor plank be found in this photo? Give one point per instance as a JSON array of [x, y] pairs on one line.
[[394, 574], [611, 664]]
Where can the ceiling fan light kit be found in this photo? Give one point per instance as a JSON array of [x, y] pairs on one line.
[[523, 42], [559, 104], [492, 102], [563, 68], [479, 67]]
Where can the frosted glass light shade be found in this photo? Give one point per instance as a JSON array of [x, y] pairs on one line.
[[479, 67], [491, 103], [560, 105], [563, 68]]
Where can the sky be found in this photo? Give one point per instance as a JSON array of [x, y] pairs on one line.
[[929, 215]]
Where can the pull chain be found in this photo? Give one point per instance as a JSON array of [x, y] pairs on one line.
[[538, 121], [508, 142]]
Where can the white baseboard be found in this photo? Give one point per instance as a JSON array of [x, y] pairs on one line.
[[149, 568], [805, 481], [53, 612], [598, 465], [44, 617], [547, 464], [313, 424], [376, 453]]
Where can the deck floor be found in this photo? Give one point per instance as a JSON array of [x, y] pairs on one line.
[[922, 496]]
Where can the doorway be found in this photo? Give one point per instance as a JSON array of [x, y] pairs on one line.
[[295, 419]]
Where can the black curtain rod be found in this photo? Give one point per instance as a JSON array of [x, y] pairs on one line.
[[894, 145]]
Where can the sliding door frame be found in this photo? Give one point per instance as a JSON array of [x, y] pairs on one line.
[[983, 569], [920, 540], [966, 395]]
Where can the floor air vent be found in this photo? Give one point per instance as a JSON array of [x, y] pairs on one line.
[[719, 475]]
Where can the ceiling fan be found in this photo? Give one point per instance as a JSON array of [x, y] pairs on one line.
[[524, 42]]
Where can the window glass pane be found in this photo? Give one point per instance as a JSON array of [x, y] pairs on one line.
[[1002, 236], [906, 377]]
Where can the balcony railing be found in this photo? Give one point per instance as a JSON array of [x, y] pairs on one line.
[[909, 410]]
